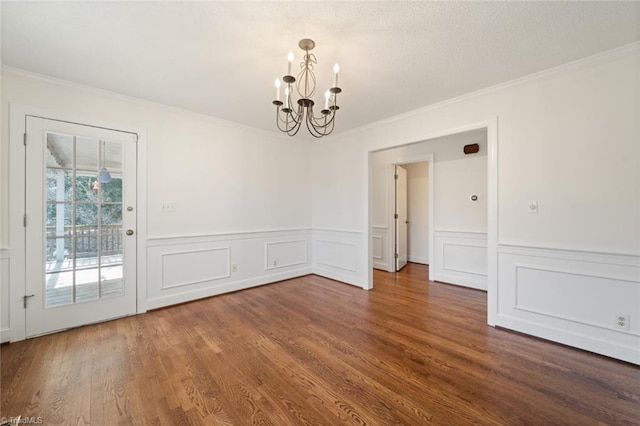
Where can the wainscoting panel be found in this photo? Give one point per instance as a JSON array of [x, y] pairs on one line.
[[4, 296], [284, 254], [190, 267], [380, 245], [180, 269], [460, 258], [572, 297], [337, 255]]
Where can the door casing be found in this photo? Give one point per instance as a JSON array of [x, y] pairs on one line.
[[17, 177], [401, 234], [39, 318]]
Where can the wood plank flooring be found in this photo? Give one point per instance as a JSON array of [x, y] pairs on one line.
[[312, 351]]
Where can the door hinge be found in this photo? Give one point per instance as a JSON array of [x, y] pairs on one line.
[[24, 220], [395, 216], [395, 256], [24, 139], [394, 176]]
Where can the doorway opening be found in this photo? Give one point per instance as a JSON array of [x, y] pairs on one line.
[[470, 248]]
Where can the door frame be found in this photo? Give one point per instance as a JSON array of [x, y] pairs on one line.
[[491, 124], [428, 158], [17, 204]]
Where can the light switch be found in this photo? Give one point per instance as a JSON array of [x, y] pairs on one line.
[[168, 207]]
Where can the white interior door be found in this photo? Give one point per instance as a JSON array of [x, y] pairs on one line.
[[80, 225], [401, 219]]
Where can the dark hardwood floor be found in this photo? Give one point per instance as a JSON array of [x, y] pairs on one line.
[[315, 351]]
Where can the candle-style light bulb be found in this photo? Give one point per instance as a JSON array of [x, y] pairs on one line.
[[290, 59], [336, 70], [277, 89], [327, 95], [286, 97]]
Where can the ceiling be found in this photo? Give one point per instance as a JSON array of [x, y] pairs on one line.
[[221, 58]]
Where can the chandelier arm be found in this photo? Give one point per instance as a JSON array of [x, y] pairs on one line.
[[313, 127], [323, 121], [319, 130], [297, 118], [314, 132], [289, 125]]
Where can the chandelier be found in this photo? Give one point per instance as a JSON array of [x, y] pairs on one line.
[[289, 114]]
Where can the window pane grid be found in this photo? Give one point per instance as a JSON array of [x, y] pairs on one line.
[[84, 223]]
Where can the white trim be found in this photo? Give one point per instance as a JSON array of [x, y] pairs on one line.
[[5, 333], [339, 232], [231, 235], [464, 271], [188, 296], [428, 158], [187, 283], [492, 204], [461, 234], [575, 255], [16, 229], [381, 238], [141, 222], [142, 102], [603, 57], [592, 334], [354, 269], [17, 261], [492, 221], [458, 276], [571, 338], [519, 265], [285, 265]]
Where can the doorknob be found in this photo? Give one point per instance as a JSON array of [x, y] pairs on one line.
[[129, 232]]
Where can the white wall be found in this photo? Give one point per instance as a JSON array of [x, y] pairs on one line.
[[456, 178], [235, 188], [4, 208], [567, 138], [418, 206]]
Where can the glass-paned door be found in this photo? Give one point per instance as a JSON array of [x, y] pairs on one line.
[[80, 204]]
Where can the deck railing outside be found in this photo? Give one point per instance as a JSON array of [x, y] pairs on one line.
[[86, 241]]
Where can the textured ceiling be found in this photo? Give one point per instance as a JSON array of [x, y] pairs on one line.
[[221, 58]]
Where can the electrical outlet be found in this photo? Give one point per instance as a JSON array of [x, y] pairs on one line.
[[234, 267], [622, 321], [274, 263], [168, 207]]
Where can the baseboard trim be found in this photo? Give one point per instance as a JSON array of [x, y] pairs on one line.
[[188, 296], [479, 284], [335, 275], [580, 341], [5, 335]]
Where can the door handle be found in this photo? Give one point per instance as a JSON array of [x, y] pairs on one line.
[[129, 232], [25, 298]]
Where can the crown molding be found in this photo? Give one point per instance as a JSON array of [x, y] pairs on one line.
[[19, 72], [599, 58]]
